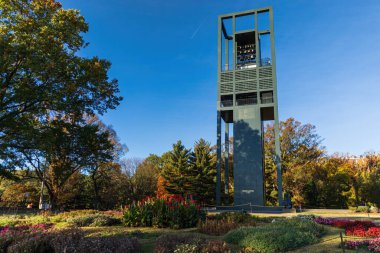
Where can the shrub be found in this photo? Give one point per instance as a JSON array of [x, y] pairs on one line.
[[186, 248], [362, 209], [96, 220], [169, 211], [279, 236], [32, 243], [66, 240], [236, 217], [104, 220], [188, 244], [70, 241], [222, 223], [215, 247], [216, 227], [76, 213], [310, 217], [169, 243], [108, 244]]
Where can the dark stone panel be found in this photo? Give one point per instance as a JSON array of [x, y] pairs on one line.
[[248, 157]]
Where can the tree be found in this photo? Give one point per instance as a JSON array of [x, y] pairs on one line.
[[301, 149], [113, 187], [41, 72], [59, 149], [144, 180], [203, 172], [176, 169], [20, 192], [100, 167]]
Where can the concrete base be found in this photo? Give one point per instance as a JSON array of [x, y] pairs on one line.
[[252, 209]]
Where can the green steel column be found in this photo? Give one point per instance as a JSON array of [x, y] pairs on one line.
[[276, 119], [226, 61], [218, 156], [226, 159], [278, 159], [257, 39]]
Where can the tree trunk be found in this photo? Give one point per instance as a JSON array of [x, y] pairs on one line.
[[97, 200]]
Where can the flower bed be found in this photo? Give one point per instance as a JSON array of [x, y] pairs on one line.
[[372, 245], [352, 228], [168, 211], [359, 229], [9, 230]]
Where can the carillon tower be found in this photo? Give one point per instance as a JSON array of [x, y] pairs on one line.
[[247, 97]]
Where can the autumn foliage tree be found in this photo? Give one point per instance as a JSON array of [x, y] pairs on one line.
[[301, 150]]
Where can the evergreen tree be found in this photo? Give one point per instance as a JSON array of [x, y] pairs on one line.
[[203, 172], [176, 169]]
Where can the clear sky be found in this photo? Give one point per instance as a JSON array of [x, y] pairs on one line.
[[164, 54]]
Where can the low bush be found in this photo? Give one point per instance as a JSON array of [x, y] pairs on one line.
[[189, 244], [169, 211], [70, 241], [236, 217], [108, 244], [96, 220], [169, 243], [186, 248], [215, 247], [279, 236], [362, 209], [216, 227], [310, 217], [222, 223]]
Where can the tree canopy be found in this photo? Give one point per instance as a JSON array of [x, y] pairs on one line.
[[41, 74]]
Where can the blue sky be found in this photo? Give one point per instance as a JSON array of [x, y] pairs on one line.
[[164, 54]]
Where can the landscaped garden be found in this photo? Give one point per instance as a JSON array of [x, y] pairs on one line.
[[174, 224]]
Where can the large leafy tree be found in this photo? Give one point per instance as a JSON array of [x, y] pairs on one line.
[[301, 149], [144, 180], [42, 74], [59, 149]]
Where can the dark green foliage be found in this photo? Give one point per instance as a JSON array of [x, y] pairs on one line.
[[190, 173], [176, 170], [203, 172], [95, 220], [279, 236]]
